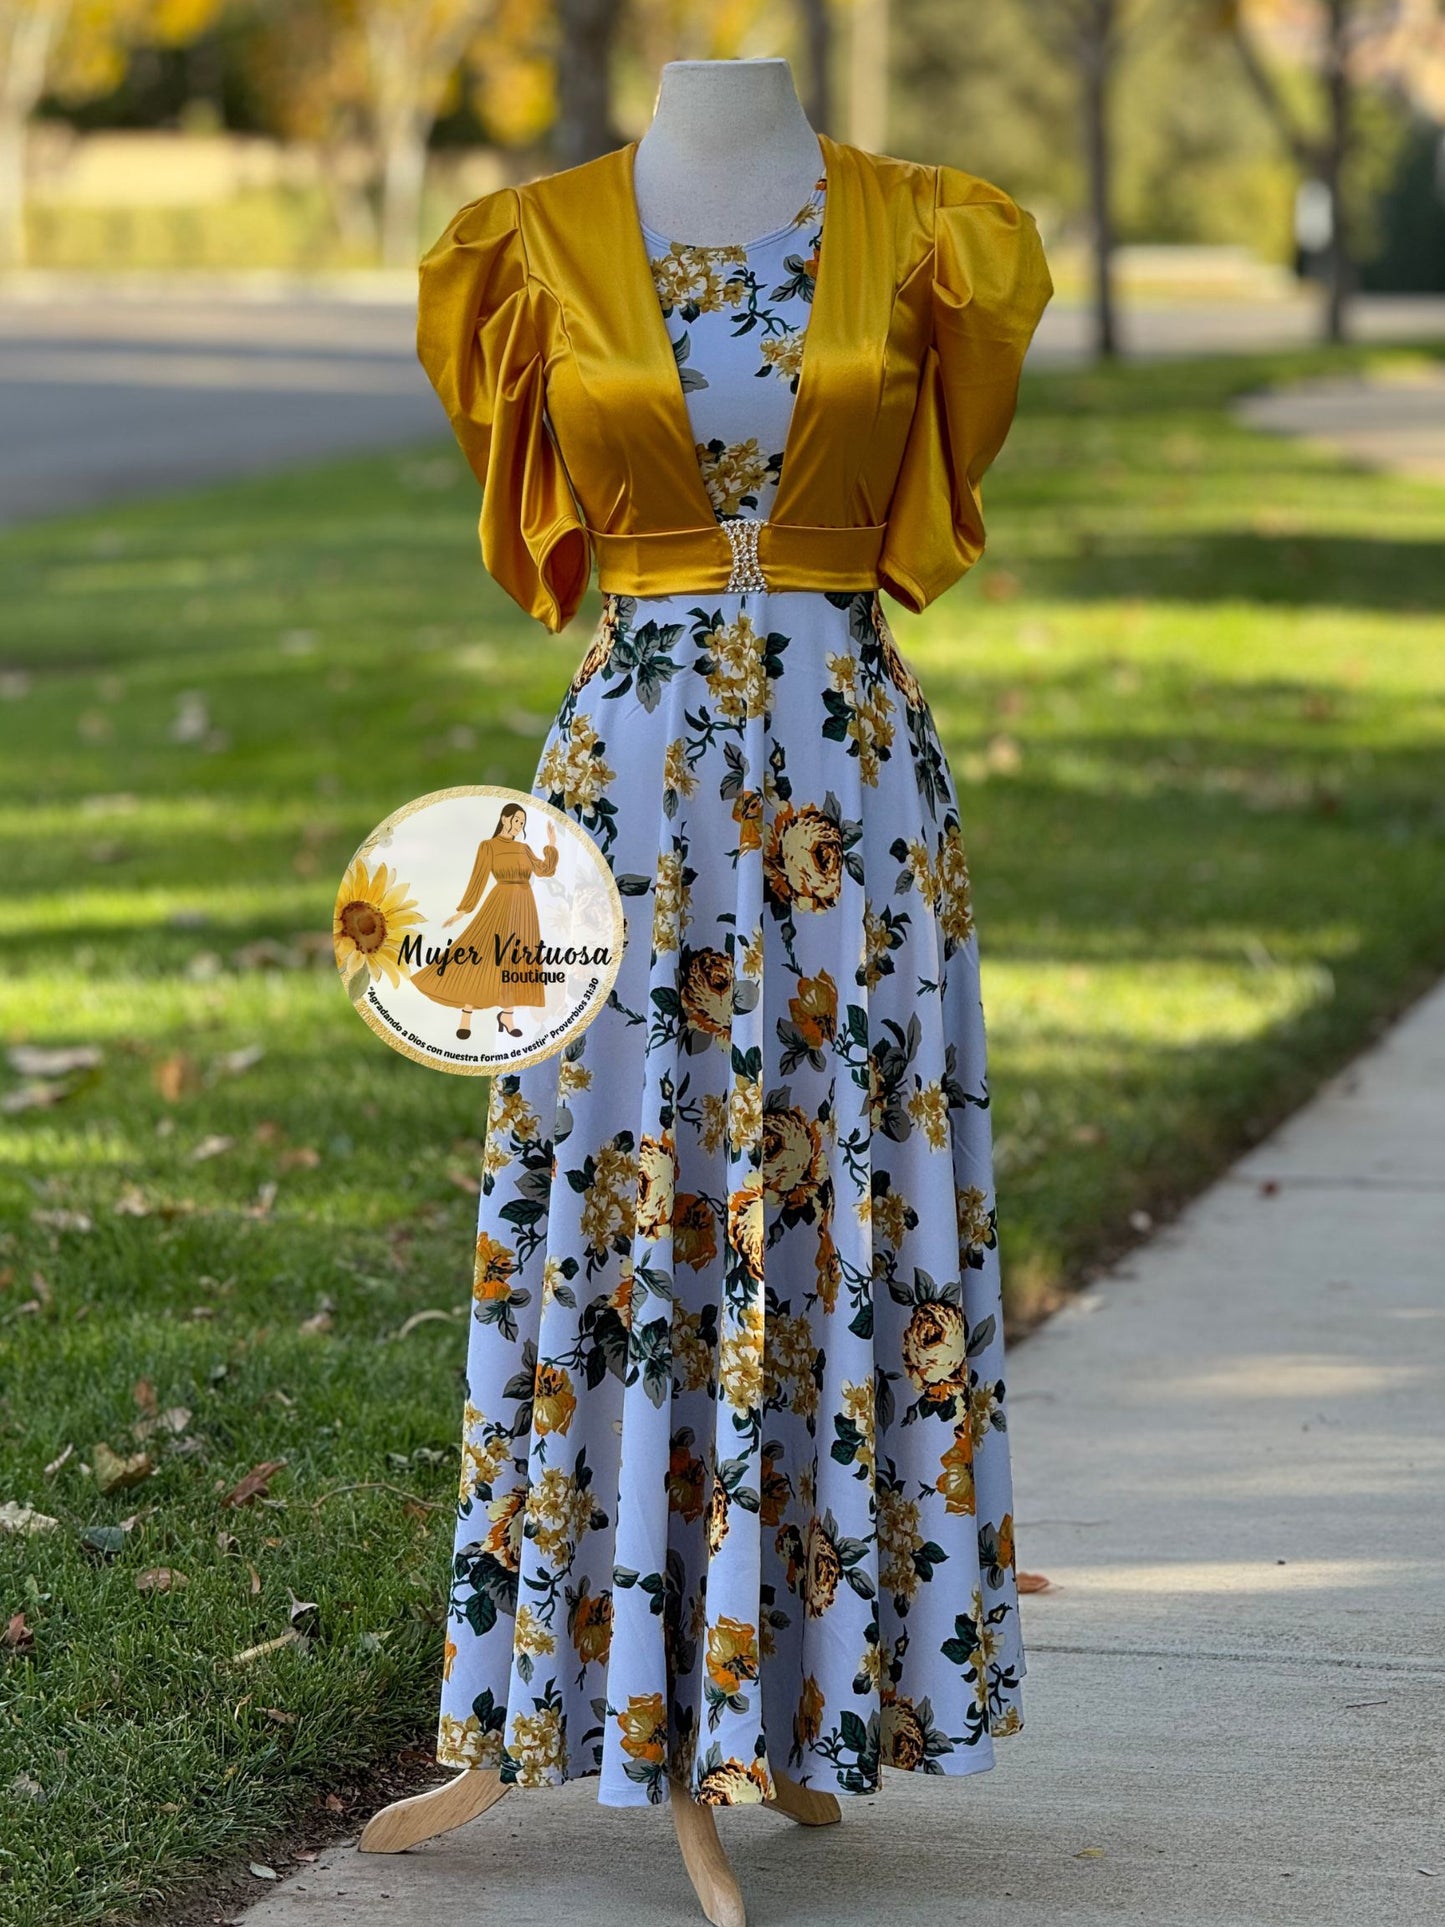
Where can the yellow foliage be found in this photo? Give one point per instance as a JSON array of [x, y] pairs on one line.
[[516, 95], [99, 36]]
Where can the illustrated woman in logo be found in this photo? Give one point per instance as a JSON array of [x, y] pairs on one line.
[[505, 926]]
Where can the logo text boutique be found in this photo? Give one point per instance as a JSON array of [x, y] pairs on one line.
[[514, 962], [477, 928]]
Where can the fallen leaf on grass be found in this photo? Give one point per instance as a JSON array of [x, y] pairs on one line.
[[39, 1060], [254, 1484], [211, 1146], [263, 1872], [18, 1637], [419, 1455], [112, 1473], [192, 720], [1000, 585], [255, 1580], [276, 1713], [262, 954], [233, 1062], [62, 1220], [422, 1318], [320, 1319], [289, 1638], [132, 1203], [174, 1420], [35, 1096], [265, 1198], [106, 1540], [177, 1076], [305, 1615], [299, 1157], [144, 1394], [160, 1579]]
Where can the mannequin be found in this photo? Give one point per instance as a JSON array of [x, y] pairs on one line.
[[729, 154]]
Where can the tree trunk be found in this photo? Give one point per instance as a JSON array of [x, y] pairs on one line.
[[818, 38], [868, 76], [584, 80], [1339, 271], [24, 61], [403, 171], [12, 187], [1096, 50]]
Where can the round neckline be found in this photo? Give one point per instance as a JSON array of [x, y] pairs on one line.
[[720, 247]]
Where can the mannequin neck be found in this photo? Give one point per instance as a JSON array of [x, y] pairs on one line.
[[729, 153]]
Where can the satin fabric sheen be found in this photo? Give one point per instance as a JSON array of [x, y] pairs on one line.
[[539, 328]]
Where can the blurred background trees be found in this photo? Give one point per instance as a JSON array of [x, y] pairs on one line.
[[1309, 134]]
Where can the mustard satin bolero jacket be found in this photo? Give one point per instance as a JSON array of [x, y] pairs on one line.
[[541, 331]]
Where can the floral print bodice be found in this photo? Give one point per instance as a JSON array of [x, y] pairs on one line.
[[743, 307]]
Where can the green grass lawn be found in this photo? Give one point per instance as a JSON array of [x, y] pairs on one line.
[[1195, 702]]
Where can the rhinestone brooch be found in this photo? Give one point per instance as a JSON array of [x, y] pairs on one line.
[[742, 534]]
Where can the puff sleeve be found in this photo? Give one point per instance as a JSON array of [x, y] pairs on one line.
[[478, 342], [990, 285]]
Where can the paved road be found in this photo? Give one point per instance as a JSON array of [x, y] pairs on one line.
[[112, 399], [104, 396], [1230, 1464]]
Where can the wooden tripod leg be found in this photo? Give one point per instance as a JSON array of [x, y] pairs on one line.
[[424, 1815], [713, 1880], [803, 1804]]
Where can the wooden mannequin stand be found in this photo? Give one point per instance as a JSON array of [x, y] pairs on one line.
[[407, 1822]]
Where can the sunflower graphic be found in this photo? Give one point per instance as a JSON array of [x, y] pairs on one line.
[[373, 914]]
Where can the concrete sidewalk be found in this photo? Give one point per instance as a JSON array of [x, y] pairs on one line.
[[1391, 421], [1230, 1463]]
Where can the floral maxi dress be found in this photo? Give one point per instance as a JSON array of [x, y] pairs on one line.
[[735, 1493]]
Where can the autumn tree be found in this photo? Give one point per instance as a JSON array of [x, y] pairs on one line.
[[1334, 47], [74, 49], [1095, 36]]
